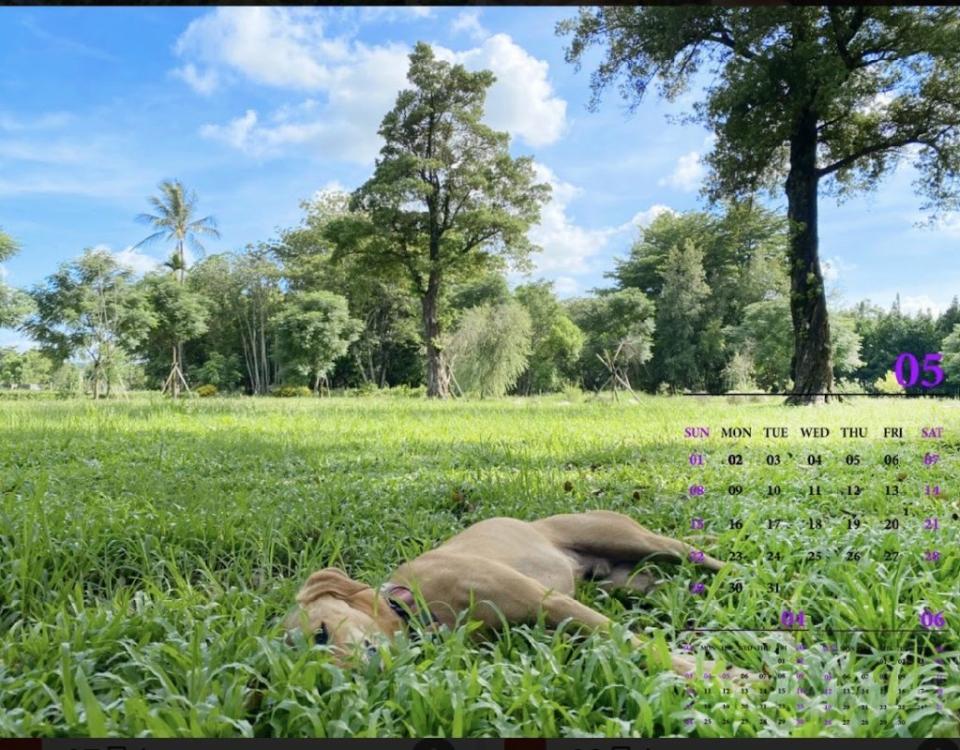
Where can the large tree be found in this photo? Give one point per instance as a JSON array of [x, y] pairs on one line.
[[14, 304], [91, 308], [179, 315], [175, 219], [446, 199], [315, 329], [799, 96]]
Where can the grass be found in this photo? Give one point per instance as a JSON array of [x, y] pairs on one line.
[[148, 550]]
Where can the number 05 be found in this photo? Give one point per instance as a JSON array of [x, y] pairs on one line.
[[931, 366]]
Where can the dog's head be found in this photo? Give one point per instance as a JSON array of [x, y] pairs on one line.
[[335, 610]]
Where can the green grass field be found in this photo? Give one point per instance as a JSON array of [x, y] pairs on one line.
[[150, 548]]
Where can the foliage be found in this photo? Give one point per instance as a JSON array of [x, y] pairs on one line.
[[315, 329], [489, 349], [619, 326], [174, 220], [220, 371], [556, 340], [387, 352], [31, 367], [679, 318], [950, 348], [206, 390], [801, 98], [291, 391], [90, 308], [446, 199]]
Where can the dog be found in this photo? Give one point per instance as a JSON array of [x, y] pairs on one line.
[[499, 569]]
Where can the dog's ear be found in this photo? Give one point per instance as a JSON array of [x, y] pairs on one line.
[[329, 582]]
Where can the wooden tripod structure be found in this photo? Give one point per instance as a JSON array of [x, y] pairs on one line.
[[176, 377]]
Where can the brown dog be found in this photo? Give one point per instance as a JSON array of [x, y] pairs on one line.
[[498, 569]]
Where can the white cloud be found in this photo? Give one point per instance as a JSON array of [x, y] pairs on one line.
[[912, 304], [567, 247], [522, 101], [687, 175], [835, 267], [48, 121], [203, 83], [289, 48], [276, 46], [468, 21], [138, 262], [44, 152]]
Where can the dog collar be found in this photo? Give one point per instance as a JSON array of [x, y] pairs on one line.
[[404, 605]]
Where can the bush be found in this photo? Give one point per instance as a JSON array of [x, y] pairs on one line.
[[888, 384], [206, 391], [291, 391]]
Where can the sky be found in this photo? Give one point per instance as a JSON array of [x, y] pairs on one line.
[[258, 109]]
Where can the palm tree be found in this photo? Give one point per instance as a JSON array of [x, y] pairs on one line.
[[175, 208]]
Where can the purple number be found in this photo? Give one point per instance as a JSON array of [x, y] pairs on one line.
[[914, 370], [930, 619], [696, 523], [791, 619], [696, 459], [696, 556], [929, 459], [931, 364]]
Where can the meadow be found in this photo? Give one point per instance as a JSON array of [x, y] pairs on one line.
[[148, 550]]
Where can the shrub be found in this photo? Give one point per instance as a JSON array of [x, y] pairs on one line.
[[207, 390], [291, 391]]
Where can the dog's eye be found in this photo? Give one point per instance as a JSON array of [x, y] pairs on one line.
[[321, 636]]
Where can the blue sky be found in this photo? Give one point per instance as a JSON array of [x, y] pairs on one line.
[[258, 108]]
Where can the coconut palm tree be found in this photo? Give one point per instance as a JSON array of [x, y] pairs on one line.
[[173, 219]]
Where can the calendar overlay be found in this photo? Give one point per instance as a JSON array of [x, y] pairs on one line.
[[857, 502]]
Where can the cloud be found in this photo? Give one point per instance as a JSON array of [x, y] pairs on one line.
[[48, 121], [203, 83], [139, 263], [567, 247], [276, 46], [468, 22], [522, 101], [835, 267], [44, 152], [687, 175], [913, 304], [54, 41], [289, 48]]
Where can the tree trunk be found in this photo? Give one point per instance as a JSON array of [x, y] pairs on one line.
[[437, 384], [811, 368]]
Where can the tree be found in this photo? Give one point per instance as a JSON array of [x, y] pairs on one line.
[[14, 304], [619, 327], [489, 349], [174, 220], [744, 261], [315, 329], [31, 367], [387, 352], [679, 316], [765, 337], [801, 96], [446, 199], [951, 357], [179, 315], [90, 307], [556, 340]]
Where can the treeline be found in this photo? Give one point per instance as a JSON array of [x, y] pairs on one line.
[[699, 304], [402, 284]]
